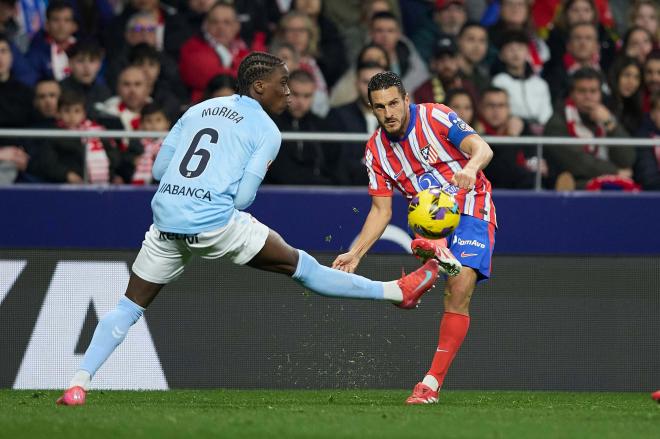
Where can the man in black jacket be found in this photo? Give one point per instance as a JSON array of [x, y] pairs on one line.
[[301, 162], [355, 117]]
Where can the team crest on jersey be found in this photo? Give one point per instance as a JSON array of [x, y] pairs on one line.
[[430, 153]]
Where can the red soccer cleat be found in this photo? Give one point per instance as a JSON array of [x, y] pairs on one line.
[[73, 396], [422, 394], [656, 396], [415, 284], [426, 249]]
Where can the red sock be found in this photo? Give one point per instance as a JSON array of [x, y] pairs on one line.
[[453, 329]]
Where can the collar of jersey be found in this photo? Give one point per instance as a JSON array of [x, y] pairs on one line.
[[248, 100], [411, 125]]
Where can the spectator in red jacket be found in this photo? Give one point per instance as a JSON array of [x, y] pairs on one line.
[[217, 49]]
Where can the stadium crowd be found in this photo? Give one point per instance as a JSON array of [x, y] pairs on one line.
[[577, 68]]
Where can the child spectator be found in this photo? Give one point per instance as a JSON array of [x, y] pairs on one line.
[[74, 160], [138, 160], [85, 59], [529, 95]]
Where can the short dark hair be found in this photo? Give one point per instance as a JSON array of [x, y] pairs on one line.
[[385, 80], [383, 15], [459, 91], [585, 73], [153, 108], [370, 46], [4, 37], [219, 81], [256, 66], [85, 47], [69, 98], [56, 6], [468, 25], [301, 75], [368, 65], [493, 89], [653, 56], [514, 36], [143, 52], [580, 24]]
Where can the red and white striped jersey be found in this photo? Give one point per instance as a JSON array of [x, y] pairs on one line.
[[427, 155]]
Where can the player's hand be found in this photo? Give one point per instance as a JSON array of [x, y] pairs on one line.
[[465, 178], [347, 262]]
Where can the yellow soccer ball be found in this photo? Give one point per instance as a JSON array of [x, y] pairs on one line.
[[433, 213]]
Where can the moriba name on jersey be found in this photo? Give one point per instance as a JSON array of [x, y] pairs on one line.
[[223, 112]]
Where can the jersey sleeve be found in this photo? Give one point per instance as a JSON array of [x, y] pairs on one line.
[[379, 184], [167, 150], [265, 153], [451, 126]]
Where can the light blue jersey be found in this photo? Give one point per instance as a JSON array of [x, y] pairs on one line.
[[213, 147]]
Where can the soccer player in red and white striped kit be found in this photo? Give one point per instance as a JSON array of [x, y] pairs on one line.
[[418, 146]]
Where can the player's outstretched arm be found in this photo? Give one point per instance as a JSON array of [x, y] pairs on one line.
[[374, 226], [480, 156]]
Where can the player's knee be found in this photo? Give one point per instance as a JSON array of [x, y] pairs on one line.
[[457, 300]]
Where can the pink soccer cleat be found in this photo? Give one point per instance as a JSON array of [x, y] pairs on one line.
[[656, 396], [422, 394], [426, 249], [73, 396], [415, 284]]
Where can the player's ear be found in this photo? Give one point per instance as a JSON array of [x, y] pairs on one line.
[[406, 99], [258, 86]]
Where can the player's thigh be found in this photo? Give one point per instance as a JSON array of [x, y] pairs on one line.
[[246, 241], [161, 259]]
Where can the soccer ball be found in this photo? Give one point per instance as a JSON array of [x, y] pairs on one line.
[[433, 213]]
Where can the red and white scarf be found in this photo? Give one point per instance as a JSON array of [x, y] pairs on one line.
[[572, 65], [577, 128], [97, 163], [227, 54], [145, 161], [59, 61]]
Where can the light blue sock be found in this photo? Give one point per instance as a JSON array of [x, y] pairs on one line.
[[110, 332], [330, 282]]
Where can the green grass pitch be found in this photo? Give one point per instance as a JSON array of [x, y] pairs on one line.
[[376, 414]]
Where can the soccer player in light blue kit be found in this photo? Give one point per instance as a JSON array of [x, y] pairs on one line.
[[210, 167]]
